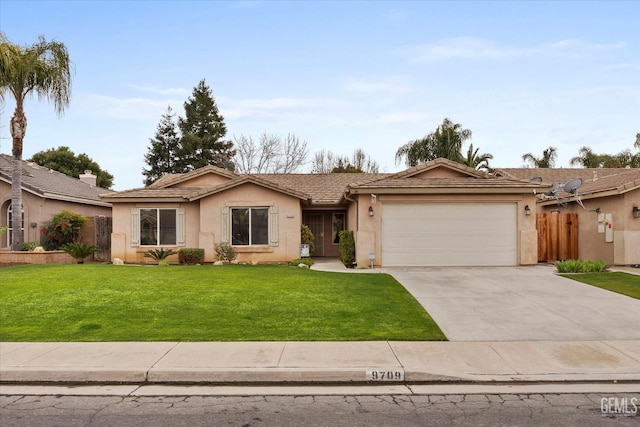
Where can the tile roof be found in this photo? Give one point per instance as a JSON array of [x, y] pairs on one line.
[[551, 175], [461, 182], [52, 184], [324, 188], [625, 180]]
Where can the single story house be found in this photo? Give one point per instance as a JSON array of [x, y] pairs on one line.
[[607, 204], [440, 213], [45, 193]]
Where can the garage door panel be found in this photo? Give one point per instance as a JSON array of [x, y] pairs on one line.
[[449, 234]]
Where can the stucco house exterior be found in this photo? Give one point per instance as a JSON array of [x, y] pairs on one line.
[[45, 193], [607, 205], [440, 213]]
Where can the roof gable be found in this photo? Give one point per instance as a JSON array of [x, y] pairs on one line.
[[206, 176], [250, 179], [441, 168]]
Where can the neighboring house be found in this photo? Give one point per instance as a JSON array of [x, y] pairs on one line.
[[440, 213], [608, 209], [45, 193]]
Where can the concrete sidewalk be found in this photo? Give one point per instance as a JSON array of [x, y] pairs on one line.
[[320, 362]]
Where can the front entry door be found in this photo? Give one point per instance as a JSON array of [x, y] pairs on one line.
[[316, 224]]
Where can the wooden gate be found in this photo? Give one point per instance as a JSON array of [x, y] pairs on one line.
[[557, 236], [102, 238]]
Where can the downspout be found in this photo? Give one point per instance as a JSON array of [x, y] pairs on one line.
[[357, 208]]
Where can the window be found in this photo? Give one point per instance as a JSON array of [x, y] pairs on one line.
[[158, 227], [249, 226], [10, 224], [338, 225]]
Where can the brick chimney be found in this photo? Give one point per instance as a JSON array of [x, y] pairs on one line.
[[89, 178]]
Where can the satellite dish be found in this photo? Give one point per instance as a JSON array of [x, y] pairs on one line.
[[536, 179], [553, 190], [573, 185]]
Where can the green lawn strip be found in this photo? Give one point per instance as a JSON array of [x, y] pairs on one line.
[[622, 283], [95, 302]]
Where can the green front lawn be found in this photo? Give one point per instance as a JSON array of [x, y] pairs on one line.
[[622, 283], [94, 302]]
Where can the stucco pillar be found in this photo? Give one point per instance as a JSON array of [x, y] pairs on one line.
[[365, 244]]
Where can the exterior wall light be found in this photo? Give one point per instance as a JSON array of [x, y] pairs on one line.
[[370, 211], [636, 212], [527, 210]]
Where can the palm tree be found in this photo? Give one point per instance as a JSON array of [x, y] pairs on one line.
[[548, 159], [477, 161], [587, 158], [445, 142], [43, 69]]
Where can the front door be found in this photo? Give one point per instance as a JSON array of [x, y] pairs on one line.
[[316, 224]]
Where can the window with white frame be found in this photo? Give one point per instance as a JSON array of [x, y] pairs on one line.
[[10, 224], [249, 226], [158, 227]]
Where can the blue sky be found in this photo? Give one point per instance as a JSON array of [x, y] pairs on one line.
[[522, 76]]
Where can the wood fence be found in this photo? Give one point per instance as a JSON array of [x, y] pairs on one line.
[[557, 236], [102, 238]]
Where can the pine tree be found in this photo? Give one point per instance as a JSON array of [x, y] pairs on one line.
[[203, 131], [162, 153]]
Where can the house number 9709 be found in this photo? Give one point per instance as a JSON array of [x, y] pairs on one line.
[[385, 375]]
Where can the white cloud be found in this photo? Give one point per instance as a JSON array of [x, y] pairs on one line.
[[108, 107], [478, 48], [160, 91], [232, 108], [389, 85]]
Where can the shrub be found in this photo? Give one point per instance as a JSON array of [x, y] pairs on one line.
[[63, 228], [305, 261], [159, 255], [191, 256], [307, 238], [225, 252], [79, 251], [580, 266], [28, 246], [347, 248]]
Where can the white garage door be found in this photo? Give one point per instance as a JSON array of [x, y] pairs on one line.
[[449, 234]]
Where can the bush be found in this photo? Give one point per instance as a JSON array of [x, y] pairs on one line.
[[63, 228], [347, 248], [307, 238], [159, 255], [225, 252], [305, 261], [191, 256], [79, 251], [580, 266], [28, 246]]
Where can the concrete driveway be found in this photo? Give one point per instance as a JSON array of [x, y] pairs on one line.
[[519, 303]]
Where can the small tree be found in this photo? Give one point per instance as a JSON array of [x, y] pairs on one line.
[[162, 155], [307, 238], [203, 130], [160, 255], [271, 154], [225, 252], [65, 161], [64, 228], [347, 248], [79, 251]]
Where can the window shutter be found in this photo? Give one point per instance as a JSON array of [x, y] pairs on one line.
[[273, 226], [135, 227], [181, 227], [224, 225]]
